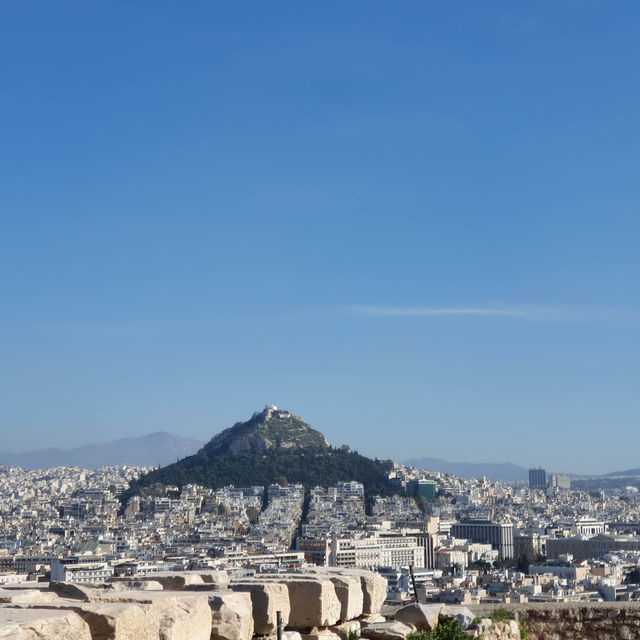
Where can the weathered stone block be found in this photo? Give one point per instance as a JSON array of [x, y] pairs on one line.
[[456, 612], [423, 617], [220, 579], [350, 593], [373, 585], [34, 624], [108, 621], [175, 614], [349, 627], [320, 634], [231, 616], [266, 599], [174, 580], [314, 603], [116, 621], [138, 585], [393, 630], [25, 596]]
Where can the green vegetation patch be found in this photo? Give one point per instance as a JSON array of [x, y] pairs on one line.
[[310, 467], [450, 630]]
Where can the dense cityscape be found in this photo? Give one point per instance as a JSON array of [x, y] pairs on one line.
[[468, 541]]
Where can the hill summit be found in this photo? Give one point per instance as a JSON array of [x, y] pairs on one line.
[[265, 430], [273, 446]]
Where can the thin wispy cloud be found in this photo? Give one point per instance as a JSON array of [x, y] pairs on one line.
[[368, 310], [542, 313]]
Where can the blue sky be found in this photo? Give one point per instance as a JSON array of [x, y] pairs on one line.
[[414, 224]]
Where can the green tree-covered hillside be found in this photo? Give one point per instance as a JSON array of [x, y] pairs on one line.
[[310, 467]]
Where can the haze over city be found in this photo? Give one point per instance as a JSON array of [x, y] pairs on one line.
[[414, 225]]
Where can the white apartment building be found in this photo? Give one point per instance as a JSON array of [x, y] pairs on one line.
[[376, 551], [80, 573]]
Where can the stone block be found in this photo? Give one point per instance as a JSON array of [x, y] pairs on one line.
[[349, 627], [350, 593], [393, 630], [370, 618], [70, 590], [314, 603], [34, 624], [174, 580], [320, 634], [176, 615], [373, 585], [231, 616], [423, 617], [24, 596], [108, 621], [142, 615], [266, 599], [374, 590], [456, 612], [116, 621], [220, 579]]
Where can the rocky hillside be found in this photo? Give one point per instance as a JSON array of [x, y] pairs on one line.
[[273, 446], [265, 430]]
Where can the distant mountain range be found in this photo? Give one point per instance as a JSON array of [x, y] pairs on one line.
[[627, 473], [493, 471], [155, 449], [508, 472]]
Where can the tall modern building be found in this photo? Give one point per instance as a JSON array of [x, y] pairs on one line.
[[560, 481], [537, 479], [424, 488], [498, 534]]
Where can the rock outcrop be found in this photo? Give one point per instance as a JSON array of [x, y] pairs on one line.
[[264, 430]]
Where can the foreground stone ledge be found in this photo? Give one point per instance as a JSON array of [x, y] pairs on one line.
[[373, 585], [24, 596], [348, 590], [266, 599], [29, 624], [314, 603], [350, 594], [105, 621], [172, 580], [177, 615], [141, 615]]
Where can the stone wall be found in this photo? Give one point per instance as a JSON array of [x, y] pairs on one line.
[[320, 604], [194, 606], [580, 621]]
